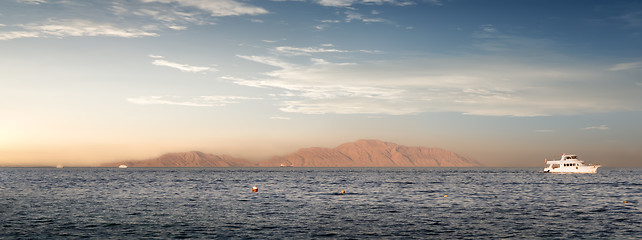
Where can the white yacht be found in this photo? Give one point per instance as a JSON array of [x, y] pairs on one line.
[[122, 166], [570, 164]]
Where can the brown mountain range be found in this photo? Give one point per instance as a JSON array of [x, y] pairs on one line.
[[362, 153], [187, 159]]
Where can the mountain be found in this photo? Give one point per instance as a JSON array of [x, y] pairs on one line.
[[362, 153], [371, 153], [187, 159]]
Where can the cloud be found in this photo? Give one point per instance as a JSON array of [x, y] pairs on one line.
[[279, 118], [73, 28], [601, 127], [218, 8], [351, 16], [307, 50], [34, 2], [182, 67], [267, 61], [336, 3], [330, 21], [178, 28], [625, 66], [489, 28], [178, 14], [490, 38], [18, 34], [320, 27], [347, 3], [492, 85], [201, 101]]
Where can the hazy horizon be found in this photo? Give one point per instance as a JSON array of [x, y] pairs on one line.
[[507, 83]]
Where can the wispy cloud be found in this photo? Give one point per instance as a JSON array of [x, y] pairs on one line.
[[489, 37], [601, 127], [544, 131], [267, 61], [336, 3], [626, 66], [352, 16], [470, 84], [279, 118], [217, 8], [330, 21], [347, 3], [307, 50], [170, 14], [73, 28], [35, 2], [159, 61], [201, 101]]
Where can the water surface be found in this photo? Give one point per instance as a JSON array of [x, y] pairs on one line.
[[296, 203]]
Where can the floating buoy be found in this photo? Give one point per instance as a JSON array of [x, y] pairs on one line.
[[343, 191], [445, 195], [626, 202], [255, 189]]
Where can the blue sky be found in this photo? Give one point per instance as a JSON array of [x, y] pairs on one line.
[[84, 82]]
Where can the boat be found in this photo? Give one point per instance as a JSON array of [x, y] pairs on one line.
[[60, 166], [122, 166], [570, 164], [283, 165]]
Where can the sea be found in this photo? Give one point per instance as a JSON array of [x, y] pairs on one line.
[[308, 203]]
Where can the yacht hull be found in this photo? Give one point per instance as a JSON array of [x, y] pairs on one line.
[[579, 169], [569, 164]]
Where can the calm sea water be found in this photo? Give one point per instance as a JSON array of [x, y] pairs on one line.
[[302, 203]]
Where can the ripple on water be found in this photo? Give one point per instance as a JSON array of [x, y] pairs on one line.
[[307, 203]]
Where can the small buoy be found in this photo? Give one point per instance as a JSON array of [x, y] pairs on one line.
[[626, 202], [343, 191], [445, 195], [255, 189]]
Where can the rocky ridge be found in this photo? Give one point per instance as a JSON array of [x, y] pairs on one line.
[[362, 153]]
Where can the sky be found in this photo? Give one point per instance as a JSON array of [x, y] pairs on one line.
[[507, 83]]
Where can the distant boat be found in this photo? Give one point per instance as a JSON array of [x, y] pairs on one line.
[[283, 165], [122, 166], [59, 166], [570, 164]]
